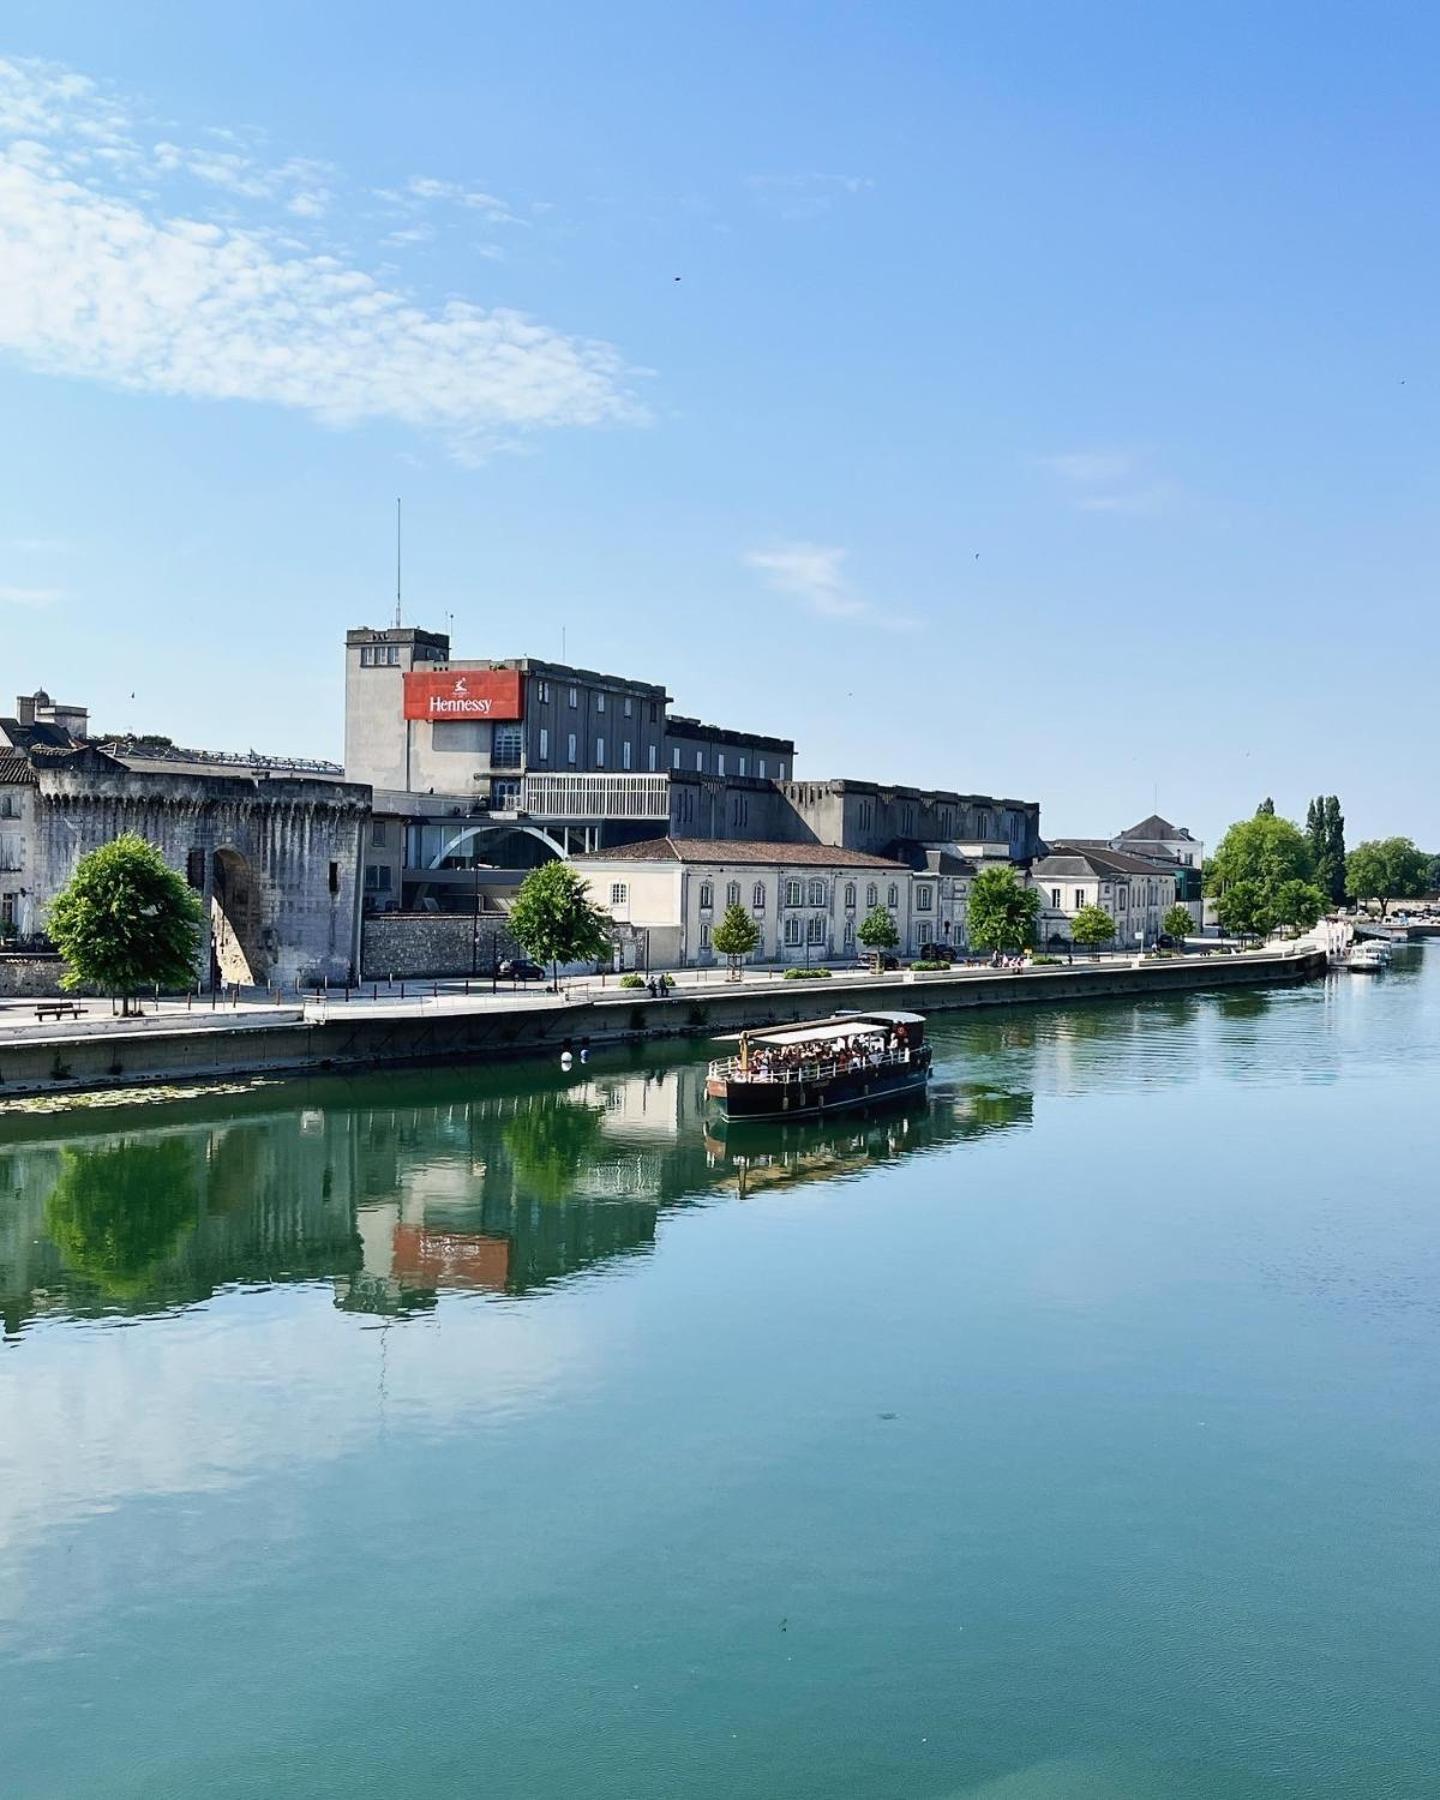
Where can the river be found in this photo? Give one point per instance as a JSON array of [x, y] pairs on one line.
[[514, 1433]]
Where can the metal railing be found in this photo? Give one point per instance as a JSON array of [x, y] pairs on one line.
[[728, 1068]]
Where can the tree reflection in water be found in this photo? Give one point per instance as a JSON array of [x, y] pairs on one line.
[[117, 1214], [550, 1141]]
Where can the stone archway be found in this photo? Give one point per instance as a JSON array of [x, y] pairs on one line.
[[471, 835], [236, 953]]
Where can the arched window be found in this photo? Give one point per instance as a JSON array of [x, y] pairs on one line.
[[850, 894], [849, 933], [872, 895], [817, 893], [757, 897], [732, 893], [893, 898]]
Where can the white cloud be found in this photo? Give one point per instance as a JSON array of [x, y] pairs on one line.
[[28, 596], [104, 281], [812, 573]]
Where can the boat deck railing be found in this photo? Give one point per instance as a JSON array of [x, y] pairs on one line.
[[728, 1068]]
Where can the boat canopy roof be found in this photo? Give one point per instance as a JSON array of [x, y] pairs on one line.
[[826, 1030]]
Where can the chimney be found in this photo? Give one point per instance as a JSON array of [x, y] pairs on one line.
[[25, 709]]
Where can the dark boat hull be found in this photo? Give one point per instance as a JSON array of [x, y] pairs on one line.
[[752, 1101]]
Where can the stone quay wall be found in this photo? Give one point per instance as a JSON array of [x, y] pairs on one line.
[[30, 977], [411, 945], [420, 1034]]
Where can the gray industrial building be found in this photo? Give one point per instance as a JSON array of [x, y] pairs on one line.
[[482, 768]]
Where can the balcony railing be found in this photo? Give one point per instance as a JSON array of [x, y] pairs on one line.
[[595, 796]]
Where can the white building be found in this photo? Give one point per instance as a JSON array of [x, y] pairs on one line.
[[669, 894], [1136, 891]]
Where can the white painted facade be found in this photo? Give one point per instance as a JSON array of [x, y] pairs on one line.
[[805, 911]]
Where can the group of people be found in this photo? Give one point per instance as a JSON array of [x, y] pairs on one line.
[[774, 1062], [659, 986]]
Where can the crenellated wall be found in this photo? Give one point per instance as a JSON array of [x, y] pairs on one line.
[[274, 858]]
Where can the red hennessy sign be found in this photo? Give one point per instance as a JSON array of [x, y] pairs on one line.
[[463, 694]]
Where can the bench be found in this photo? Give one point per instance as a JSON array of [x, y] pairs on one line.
[[58, 1009]]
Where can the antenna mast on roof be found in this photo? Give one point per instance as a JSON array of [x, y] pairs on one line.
[[397, 565]]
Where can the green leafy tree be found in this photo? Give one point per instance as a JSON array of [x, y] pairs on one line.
[[1266, 809], [736, 936], [1315, 830], [1326, 837], [1297, 904], [1001, 914], [1092, 926], [1387, 869], [1243, 908], [126, 921], [877, 931], [1256, 856], [555, 921], [1432, 875], [1178, 922]]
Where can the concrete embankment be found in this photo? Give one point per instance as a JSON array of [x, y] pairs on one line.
[[40, 1063]]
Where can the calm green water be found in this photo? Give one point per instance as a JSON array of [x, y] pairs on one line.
[[473, 1433]]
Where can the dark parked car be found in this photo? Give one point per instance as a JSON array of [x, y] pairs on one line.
[[1165, 941], [944, 953], [520, 968]]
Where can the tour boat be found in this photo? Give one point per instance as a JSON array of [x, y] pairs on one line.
[[802, 1071], [1367, 958]]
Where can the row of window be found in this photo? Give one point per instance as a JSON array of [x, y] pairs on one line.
[[813, 930], [1122, 898], [627, 701], [379, 656], [813, 893], [572, 751]]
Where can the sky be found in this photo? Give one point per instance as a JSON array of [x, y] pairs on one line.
[[1028, 399]]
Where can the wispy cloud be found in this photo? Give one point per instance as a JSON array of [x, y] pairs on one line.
[[1109, 481], [105, 278], [806, 196], [813, 573], [29, 596]]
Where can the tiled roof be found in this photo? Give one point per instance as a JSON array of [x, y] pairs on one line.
[[15, 768], [1080, 858], [1155, 827], [738, 851]]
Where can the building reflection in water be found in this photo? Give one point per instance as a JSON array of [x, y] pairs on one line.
[[494, 1182]]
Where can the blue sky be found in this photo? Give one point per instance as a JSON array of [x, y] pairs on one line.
[[1046, 405]]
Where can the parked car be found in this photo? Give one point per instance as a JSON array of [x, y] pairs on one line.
[[944, 953], [1165, 941], [879, 959], [520, 968]]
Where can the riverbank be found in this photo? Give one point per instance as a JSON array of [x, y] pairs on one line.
[[460, 1029]]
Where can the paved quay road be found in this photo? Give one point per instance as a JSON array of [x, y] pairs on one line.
[[420, 998]]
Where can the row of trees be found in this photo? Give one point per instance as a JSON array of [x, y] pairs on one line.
[[1267, 874]]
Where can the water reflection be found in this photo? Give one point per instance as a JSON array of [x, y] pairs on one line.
[[464, 1181]]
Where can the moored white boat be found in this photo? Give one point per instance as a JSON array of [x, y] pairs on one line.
[[1368, 958]]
